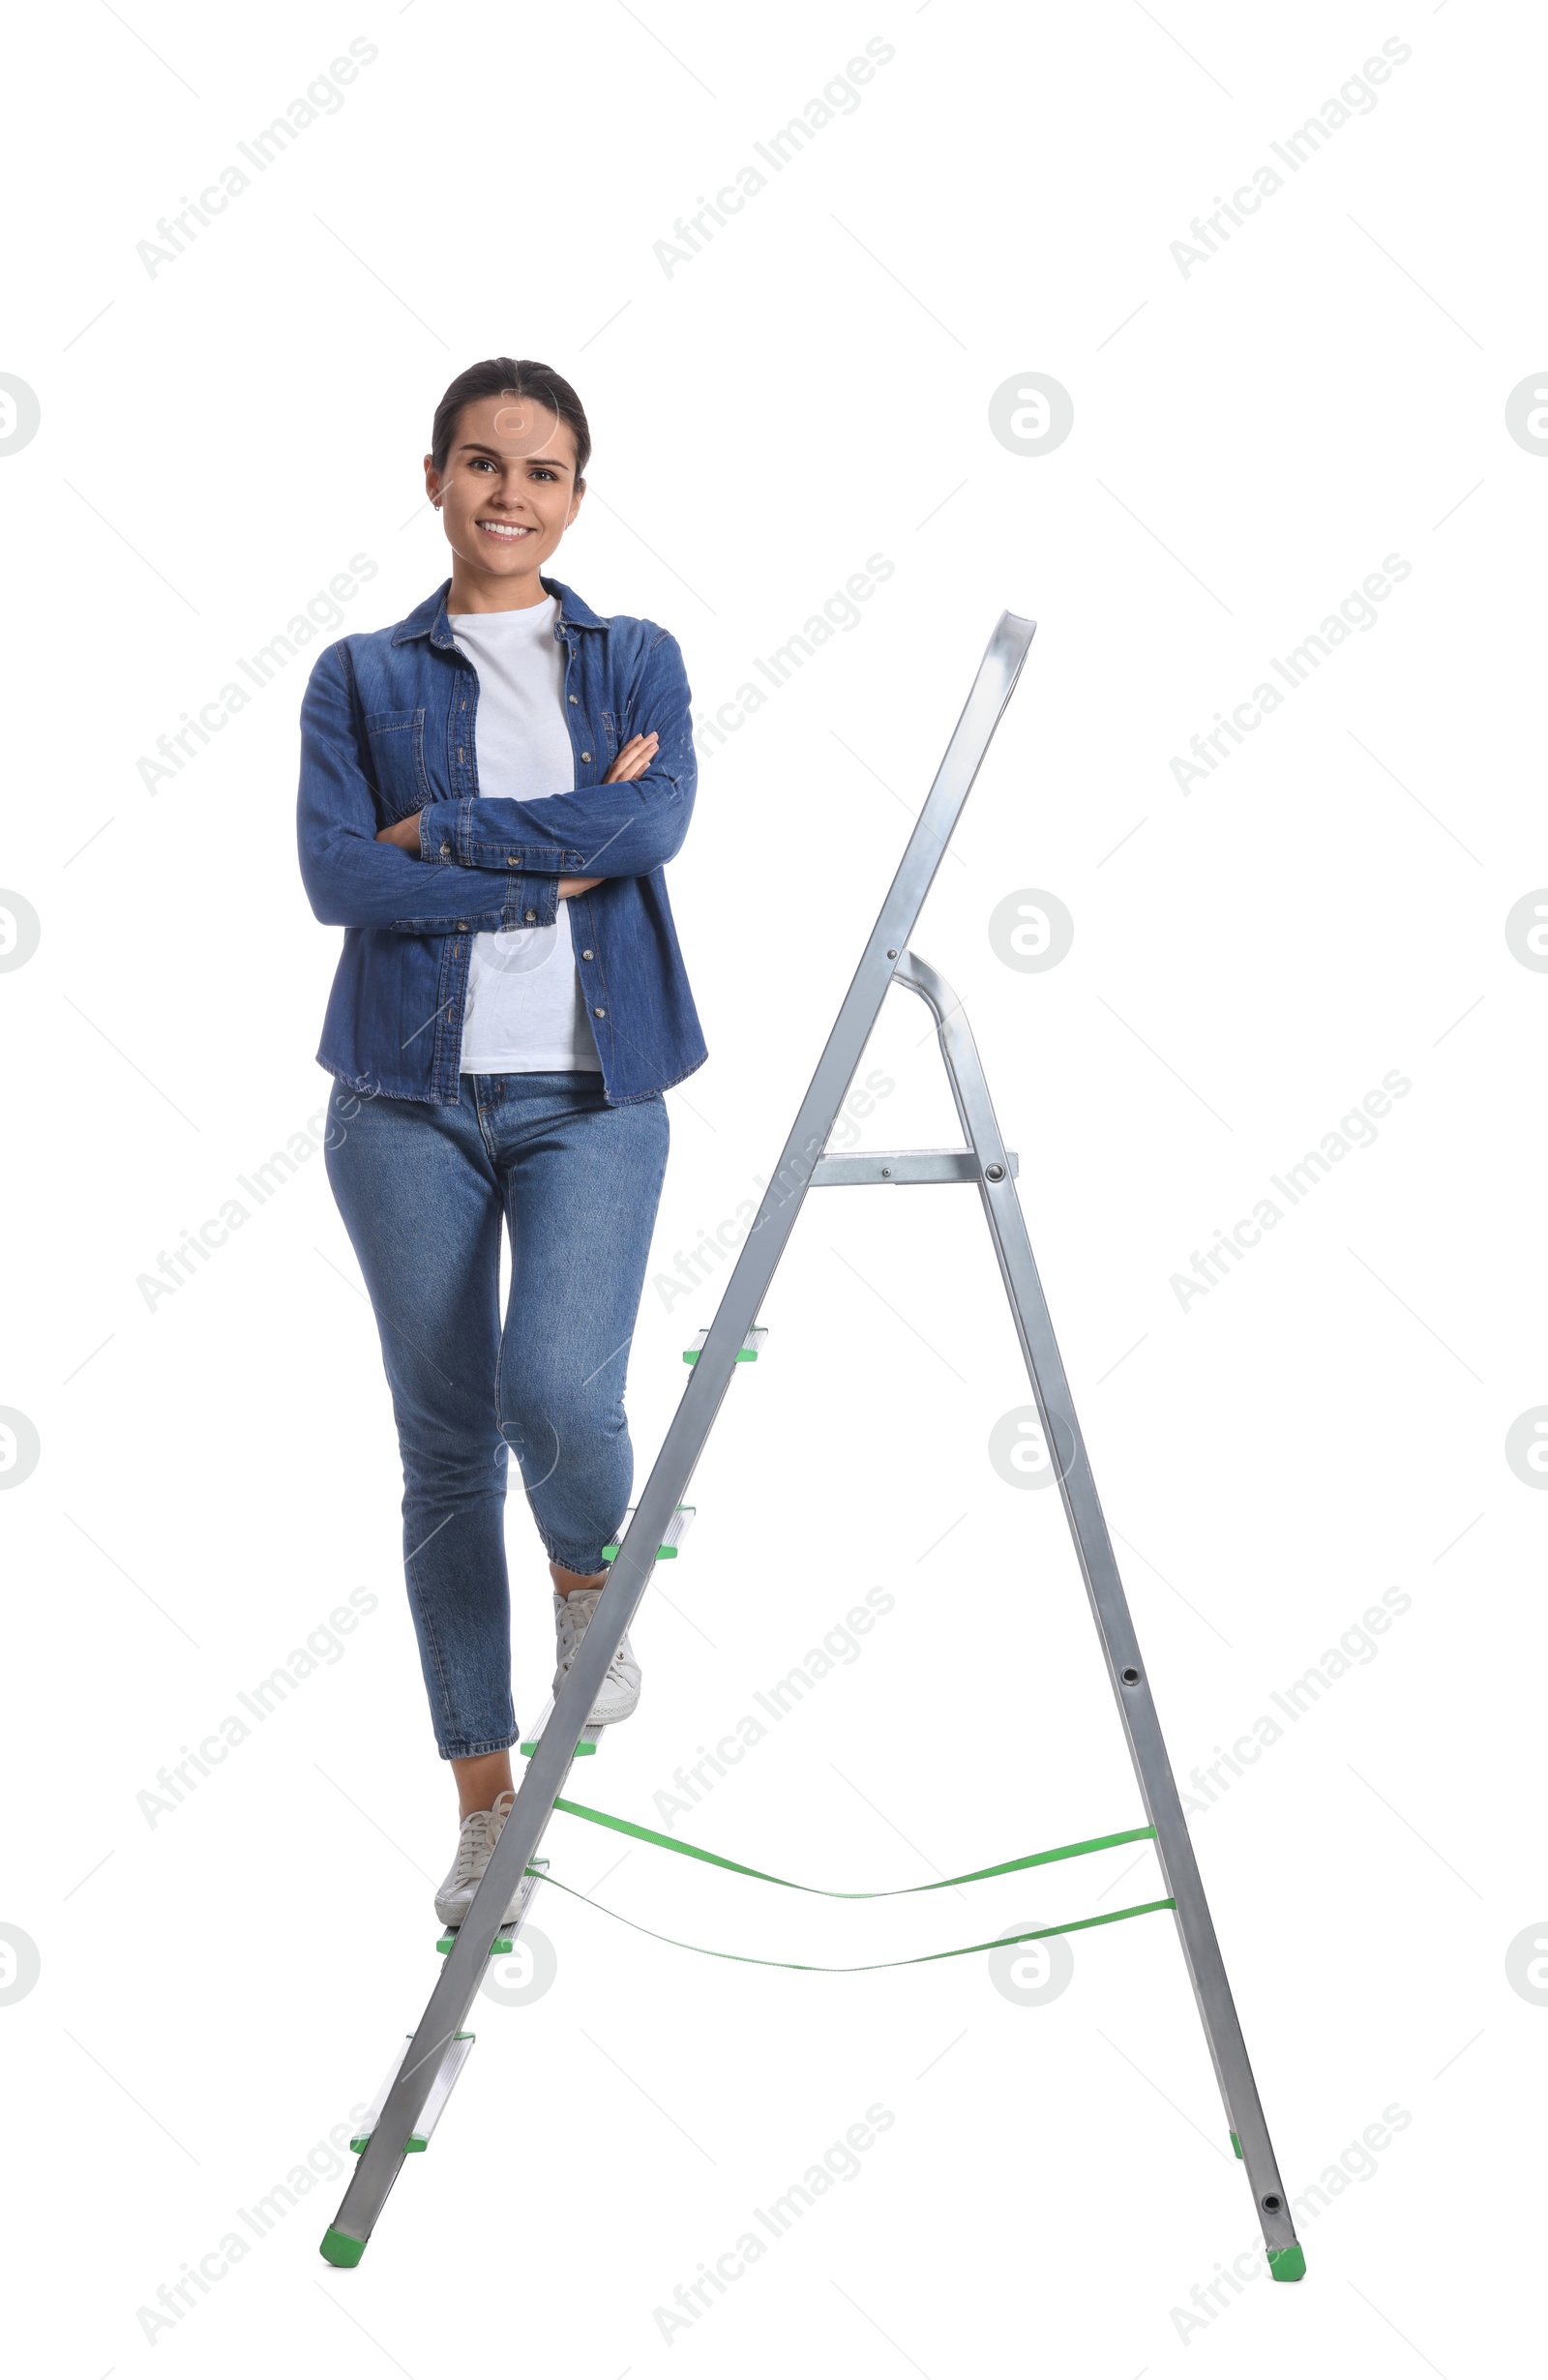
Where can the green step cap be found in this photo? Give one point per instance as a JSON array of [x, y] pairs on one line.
[[340, 2248], [1287, 2263]]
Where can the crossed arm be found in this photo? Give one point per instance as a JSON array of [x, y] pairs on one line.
[[632, 762], [512, 861]]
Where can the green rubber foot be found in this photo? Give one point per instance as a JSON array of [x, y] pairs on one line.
[[501, 1947], [1236, 2144], [581, 1749], [340, 2248], [1287, 2263]]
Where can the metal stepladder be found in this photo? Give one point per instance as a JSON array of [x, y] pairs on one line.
[[435, 2052]]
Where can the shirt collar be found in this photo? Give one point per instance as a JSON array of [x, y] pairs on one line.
[[429, 618]]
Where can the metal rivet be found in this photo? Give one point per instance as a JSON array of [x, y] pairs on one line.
[[993, 1172], [1130, 1676], [892, 954], [886, 1173], [1271, 2203]]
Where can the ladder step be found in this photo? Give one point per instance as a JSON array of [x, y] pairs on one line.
[[667, 1551], [747, 1353], [676, 1531], [590, 1736], [905, 1165], [440, 2090], [504, 1941]]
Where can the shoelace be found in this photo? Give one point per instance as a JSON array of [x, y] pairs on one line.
[[570, 1635], [481, 1831], [473, 1848]]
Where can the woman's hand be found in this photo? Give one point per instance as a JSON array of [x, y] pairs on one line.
[[632, 762], [634, 759], [406, 834]]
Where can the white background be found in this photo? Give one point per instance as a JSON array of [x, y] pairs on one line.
[[1251, 439]]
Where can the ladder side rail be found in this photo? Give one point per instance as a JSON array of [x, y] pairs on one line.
[[1142, 1727]]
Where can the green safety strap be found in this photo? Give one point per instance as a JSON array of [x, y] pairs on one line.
[[1005, 1868], [1002, 1942]]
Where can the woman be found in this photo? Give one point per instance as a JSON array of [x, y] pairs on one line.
[[490, 791]]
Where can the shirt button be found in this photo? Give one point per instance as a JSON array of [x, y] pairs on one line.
[[585, 756], [575, 698], [586, 953], [461, 925], [446, 851], [510, 859], [532, 917], [599, 1012]]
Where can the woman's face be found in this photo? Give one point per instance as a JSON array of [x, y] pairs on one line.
[[508, 492]]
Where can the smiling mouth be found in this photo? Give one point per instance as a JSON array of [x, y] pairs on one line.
[[509, 531]]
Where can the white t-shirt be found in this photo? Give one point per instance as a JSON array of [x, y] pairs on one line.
[[525, 1012]]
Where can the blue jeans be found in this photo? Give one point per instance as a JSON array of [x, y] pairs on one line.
[[423, 1190]]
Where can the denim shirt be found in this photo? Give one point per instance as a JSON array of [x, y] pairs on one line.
[[386, 730]]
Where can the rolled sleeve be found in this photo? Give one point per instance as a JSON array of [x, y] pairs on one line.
[[438, 826], [531, 901]]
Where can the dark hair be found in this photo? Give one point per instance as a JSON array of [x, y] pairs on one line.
[[501, 377]]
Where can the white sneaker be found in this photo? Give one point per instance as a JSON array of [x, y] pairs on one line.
[[481, 1831], [620, 1687]]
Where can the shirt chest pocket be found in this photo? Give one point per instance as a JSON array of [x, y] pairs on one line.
[[394, 747]]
